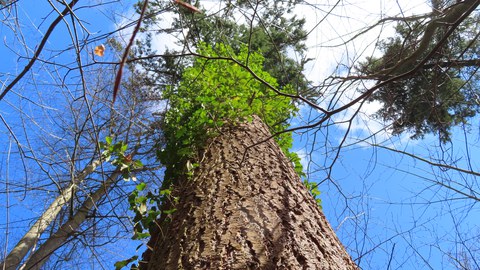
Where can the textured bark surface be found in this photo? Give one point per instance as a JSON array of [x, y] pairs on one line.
[[247, 213]]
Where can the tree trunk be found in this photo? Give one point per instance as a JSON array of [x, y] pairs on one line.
[[59, 238], [246, 208], [18, 253]]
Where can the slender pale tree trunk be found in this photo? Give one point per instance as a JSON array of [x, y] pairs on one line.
[[18, 253], [39, 257], [246, 208]]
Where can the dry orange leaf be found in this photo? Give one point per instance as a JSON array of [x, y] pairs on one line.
[[99, 50]]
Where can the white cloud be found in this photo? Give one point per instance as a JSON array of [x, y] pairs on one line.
[[304, 157], [163, 41], [339, 39], [331, 27]]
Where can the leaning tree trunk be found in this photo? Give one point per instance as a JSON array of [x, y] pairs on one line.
[[28, 241], [246, 208]]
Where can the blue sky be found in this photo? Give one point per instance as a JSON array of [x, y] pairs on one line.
[[379, 202], [41, 95], [389, 197]]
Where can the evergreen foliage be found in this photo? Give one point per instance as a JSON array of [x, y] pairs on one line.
[[440, 94], [272, 32]]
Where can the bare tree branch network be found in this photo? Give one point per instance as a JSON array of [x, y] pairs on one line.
[[385, 130]]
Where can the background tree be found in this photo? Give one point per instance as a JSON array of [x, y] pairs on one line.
[[436, 91], [273, 30], [57, 121]]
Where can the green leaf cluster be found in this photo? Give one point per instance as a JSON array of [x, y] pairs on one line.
[[273, 39], [121, 264], [215, 91], [115, 154], [144, 203], [313, 189], [145, 209]]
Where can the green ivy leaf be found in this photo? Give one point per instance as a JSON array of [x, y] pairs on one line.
[[120, 264], [170, 211], [139, 235], [137, 164], [141, 186]]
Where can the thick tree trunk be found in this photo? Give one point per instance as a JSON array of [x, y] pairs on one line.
[[246, 208]]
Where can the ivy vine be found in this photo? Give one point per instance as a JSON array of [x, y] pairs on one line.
[[215, 91]]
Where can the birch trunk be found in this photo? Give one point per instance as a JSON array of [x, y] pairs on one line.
[[55, 241], [18, 253]]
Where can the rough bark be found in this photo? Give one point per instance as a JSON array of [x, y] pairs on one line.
[[246, 208]]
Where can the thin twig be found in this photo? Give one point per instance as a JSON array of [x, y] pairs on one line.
[[39, 49]]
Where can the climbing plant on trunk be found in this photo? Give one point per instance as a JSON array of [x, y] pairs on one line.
[[238, 197]]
